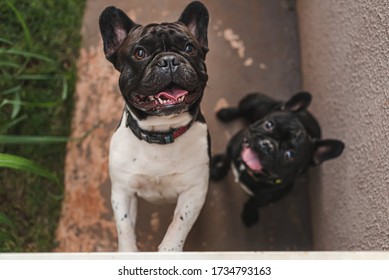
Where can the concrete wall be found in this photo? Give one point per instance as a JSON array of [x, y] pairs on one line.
[[345, 64]]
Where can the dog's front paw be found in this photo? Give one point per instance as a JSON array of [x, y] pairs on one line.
[[162, 248], [219, 167], [127, 248], [250, 216]]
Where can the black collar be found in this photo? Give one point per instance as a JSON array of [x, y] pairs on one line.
[[163, 137]]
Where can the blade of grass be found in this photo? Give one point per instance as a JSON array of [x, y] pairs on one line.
[[30, 104], [65, 88], [16, 106], [9, 64], [11, 90], [5, 126], [20, 163], [18, 139], [27, 54], [28, 139], [37, 77], [5, 220], [5, 41], [26, 31]]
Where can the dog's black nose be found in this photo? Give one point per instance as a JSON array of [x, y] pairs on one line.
[[266, 146], [168, 62]]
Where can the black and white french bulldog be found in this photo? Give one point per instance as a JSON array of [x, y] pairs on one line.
[[281, 141], [160, 151]]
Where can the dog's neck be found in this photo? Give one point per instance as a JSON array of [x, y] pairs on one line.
[[159, 130], [162, 123]]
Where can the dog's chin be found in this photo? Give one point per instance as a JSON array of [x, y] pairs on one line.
[[169, 101]]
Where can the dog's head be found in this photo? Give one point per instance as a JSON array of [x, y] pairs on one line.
[[281, 144], [162, 69]]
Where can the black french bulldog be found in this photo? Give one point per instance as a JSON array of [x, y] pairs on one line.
[[282, 140]]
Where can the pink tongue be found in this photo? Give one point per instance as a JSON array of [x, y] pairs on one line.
[[172, 93], [251, 159]]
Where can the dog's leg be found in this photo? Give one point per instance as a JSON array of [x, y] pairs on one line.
[[228, 114], [250, 213], [220, 164], [125, 211], [188, 208], [254, 106]]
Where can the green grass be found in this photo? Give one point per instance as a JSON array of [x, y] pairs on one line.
[[39, 43]]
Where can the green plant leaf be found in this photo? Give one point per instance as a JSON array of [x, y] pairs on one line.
[[9, 64], [30, 104], [11, 90], [5, 41], [26, 31], [27, 139], [20, 163], [37, 77], [16, 106], [65, 88], [17, 139], [27, 54], [5, 220], [7, 125]]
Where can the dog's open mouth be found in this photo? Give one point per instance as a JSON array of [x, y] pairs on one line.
[[172, 98], [251, 159]]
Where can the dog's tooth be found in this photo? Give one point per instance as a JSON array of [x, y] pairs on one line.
[[159, 100]]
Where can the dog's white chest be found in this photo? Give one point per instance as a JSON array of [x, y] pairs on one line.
[[236, 173], [155, 172]]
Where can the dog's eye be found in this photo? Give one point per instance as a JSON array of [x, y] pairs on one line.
[[140, 54], [268, 125], [289, 155], [190, 49]]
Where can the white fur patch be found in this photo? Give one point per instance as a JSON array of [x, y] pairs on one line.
[[236, 177], [159, 174]]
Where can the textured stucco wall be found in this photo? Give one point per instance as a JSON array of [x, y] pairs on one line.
[[345, 64]]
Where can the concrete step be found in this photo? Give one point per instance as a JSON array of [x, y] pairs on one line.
[[253, 47]]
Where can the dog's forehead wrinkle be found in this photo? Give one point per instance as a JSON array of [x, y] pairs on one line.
[[165, 42], [167, 27]]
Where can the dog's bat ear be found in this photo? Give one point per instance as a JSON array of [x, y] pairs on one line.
[[114, 27], [299, 101], [326, 149], [196, 18]]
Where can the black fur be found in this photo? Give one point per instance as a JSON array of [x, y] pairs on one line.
[[157, 57], [282, 140]]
